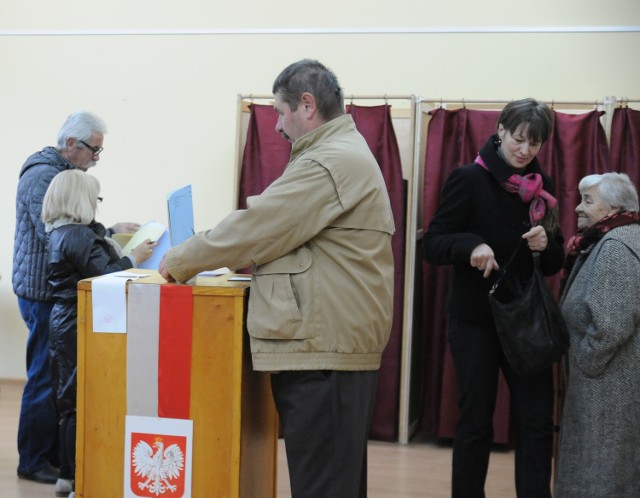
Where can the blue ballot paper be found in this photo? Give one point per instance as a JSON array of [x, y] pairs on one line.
[[181, 227], [180, 205]]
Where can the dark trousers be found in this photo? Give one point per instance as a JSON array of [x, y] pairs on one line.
[[325, 417], [37, 427], [68, 446], [478, 358]]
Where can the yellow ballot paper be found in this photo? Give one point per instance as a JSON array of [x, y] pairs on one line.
[[156, 232], [152, 231]]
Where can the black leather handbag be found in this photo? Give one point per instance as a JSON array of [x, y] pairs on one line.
[[530, 326]]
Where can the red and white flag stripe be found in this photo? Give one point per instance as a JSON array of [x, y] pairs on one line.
[[159, 324]]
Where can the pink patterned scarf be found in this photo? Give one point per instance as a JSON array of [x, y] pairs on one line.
[[586, 238], [590, 235], [529, 188]]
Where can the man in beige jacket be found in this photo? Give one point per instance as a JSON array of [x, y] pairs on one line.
[[320, 305]]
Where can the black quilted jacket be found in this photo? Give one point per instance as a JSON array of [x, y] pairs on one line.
[[30, 240]]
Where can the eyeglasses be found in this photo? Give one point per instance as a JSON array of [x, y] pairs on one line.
[[95, 150], [99, 199]]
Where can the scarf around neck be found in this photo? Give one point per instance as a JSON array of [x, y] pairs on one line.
[[529, 188], [583, 239]]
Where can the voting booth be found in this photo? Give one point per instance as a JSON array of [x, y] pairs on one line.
[[232, 446]]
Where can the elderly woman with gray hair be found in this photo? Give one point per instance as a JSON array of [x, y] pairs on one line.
[[600, 434]]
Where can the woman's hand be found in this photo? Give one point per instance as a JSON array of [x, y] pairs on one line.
[[143, 252], [483, 258], [536, 238]]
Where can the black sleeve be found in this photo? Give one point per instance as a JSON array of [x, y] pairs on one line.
[[446, 240], [91, 257]]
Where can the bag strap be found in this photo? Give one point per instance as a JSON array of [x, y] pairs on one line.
[[512, 257], [503, 271]]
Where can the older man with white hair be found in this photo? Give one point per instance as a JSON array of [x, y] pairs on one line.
[[80, 141]]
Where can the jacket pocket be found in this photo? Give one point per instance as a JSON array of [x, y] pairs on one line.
[[279, 294]]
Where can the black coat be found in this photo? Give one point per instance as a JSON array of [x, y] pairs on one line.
[[75, 252], [474, 209]]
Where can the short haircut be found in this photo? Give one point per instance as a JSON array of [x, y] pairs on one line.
[[529, 113], [312, 77], [616, 189], [72, 196], [80, 125]]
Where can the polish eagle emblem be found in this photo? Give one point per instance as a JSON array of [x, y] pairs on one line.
[[158, 467]]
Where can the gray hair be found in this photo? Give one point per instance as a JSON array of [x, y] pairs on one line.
[[80, 125], [616, 189], [311, 76], [72, 196]]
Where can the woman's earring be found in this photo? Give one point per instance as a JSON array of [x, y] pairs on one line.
[[498, 141]]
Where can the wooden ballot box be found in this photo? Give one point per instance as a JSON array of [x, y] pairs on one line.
[[234, 418]]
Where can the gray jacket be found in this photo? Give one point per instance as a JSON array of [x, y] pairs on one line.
[[30, 240], [600, 433]]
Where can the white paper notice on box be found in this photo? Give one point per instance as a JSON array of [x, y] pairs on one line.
[[109, 298]]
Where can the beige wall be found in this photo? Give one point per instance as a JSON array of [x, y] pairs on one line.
[[165, 76]]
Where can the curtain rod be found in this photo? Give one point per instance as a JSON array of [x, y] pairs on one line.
[[627, 101], [462, 101], [480, 101], [252, 96], [548, 102]]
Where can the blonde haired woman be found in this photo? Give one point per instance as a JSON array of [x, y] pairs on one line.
[[77, 248]]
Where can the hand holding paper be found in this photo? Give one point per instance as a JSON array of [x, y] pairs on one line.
[[143, 251], [156, 233], [152, 231]]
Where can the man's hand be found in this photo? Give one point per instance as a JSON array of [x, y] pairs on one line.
[[164, 272], [483, 258], [125, 227], [537, 238]]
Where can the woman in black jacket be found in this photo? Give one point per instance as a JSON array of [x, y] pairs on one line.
[[78, 248], [487, 208]]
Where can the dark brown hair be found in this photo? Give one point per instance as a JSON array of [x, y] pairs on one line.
[[529, 113]]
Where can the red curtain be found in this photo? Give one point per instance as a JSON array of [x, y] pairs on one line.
[[376, 126], [625, 143], [266, 153], [577, 147], [265, 156]]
